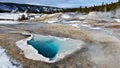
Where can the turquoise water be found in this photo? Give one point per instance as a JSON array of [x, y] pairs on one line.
[[49, 46], [46, 47]]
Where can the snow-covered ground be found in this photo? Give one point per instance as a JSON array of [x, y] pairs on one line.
[[11, 16], [118, 20], [8, 22], [6, 61], [60, 17], [72, 19]]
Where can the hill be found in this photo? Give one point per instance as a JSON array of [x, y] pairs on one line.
[[14, 7]]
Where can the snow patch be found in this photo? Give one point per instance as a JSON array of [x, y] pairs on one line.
[[75, 25], [11, 16], [96, 28], [5, 60], [117, 20], [9, 22], [65, 16], [51, 22]]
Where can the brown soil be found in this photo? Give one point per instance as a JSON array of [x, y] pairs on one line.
[[114, 26]]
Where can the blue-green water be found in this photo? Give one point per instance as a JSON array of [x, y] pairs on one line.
[[46, 47], [49, 46]]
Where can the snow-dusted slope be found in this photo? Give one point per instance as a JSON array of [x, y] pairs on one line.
[[13, 7], [9, 16], [6, 61]]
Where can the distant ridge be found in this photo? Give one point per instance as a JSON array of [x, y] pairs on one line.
[[15, 7]]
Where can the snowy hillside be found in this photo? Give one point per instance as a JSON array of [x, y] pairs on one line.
[[13, 7]]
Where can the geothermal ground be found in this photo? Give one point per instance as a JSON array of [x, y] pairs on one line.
[[100, 33]]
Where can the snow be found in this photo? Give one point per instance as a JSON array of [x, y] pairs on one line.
[[75, 25], [51, 22], [95, 28], [9, 22], [117, 20], [65, 16], [74, 21], [11, 16], [82, 17], [5, 60], [31, 53], [85, 26], [81, 25]]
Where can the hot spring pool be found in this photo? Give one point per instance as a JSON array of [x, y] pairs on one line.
[[48, 48]]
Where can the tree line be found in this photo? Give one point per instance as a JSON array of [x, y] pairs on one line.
[[103, 7]]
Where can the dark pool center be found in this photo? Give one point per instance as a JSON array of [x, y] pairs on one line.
[[49, 46]]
